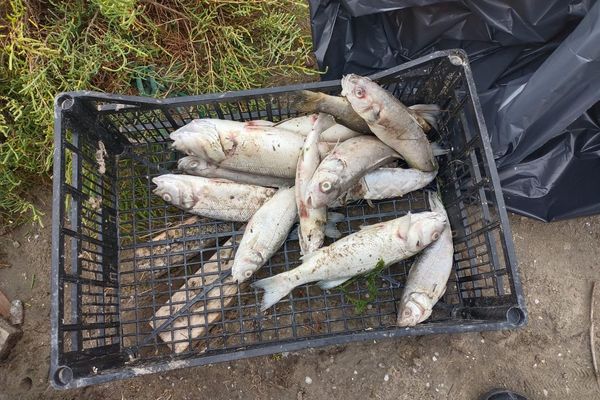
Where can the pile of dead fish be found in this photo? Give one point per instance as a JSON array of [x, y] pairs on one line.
[[272, 175]]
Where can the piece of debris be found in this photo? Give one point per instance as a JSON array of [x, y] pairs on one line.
[[16, 312], [308, 380], [101, 154], [94, 202], [386, 377], [16, 244], [4, 306], [593, 336], [9, 336]]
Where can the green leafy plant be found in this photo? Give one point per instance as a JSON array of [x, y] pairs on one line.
[[370, 280], [147, 47]]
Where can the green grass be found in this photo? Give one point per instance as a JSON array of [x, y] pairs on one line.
[[151, 47]]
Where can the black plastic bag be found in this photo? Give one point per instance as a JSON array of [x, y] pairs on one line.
[[537, 69]]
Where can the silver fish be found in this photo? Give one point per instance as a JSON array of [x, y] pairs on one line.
[[261, 150], [312, 220], [356, 254], [192, 165], [338, 133], [344, 166], [265, 233], [428, 276], [212, 198], [302, 125], [390, 120], [387, 183], [306, 101], [339, 107]]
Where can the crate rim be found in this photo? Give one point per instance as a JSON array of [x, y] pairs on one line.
[[516, 315]]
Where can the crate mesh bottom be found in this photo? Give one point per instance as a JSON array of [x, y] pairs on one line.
[[148, 278]]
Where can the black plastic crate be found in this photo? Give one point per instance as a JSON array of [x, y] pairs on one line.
[[107, 282]]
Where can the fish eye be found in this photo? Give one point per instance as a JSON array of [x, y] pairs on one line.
[[359, 92], [325, 186], [248, 273], [435, 235], [167, 197], [194, 164], [407, 312]]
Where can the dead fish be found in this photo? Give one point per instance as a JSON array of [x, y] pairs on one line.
[[302, 125], [212, 198], [428, 276], [265, 233], [387, 183], [332, 132], [344, 166], [341, 109], [387, 242], [312, 220], [192, 165], [390, 120], [259, 150], [338, 133], [338, 107]]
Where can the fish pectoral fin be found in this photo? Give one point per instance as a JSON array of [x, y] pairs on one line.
[[331, 231], [308, 256], [377, 225], [326, 285], [335, 217], [404, 226]]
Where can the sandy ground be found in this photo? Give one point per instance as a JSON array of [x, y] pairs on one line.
[[549, 359]]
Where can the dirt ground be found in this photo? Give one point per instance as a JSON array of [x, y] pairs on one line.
[[549, 359]]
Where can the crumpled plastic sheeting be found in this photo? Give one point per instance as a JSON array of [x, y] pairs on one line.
[[536, 67]]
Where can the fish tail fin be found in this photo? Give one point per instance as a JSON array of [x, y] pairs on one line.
[[428, 112], [304, 100], [438, 150], [276, 287]]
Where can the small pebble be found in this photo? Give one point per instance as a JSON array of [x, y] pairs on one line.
[[381, 365], [427, 385], [536, 301], [386, 378], [334, 387], [308, 380], [545, 393], [369, 306], [327, 369], [414, 370], [16, 244], [482, 340], [355, 372], [434, 358], [436, 354]]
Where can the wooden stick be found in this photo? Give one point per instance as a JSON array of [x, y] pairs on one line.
[[592, 335], [4, 306], [178, 333]]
